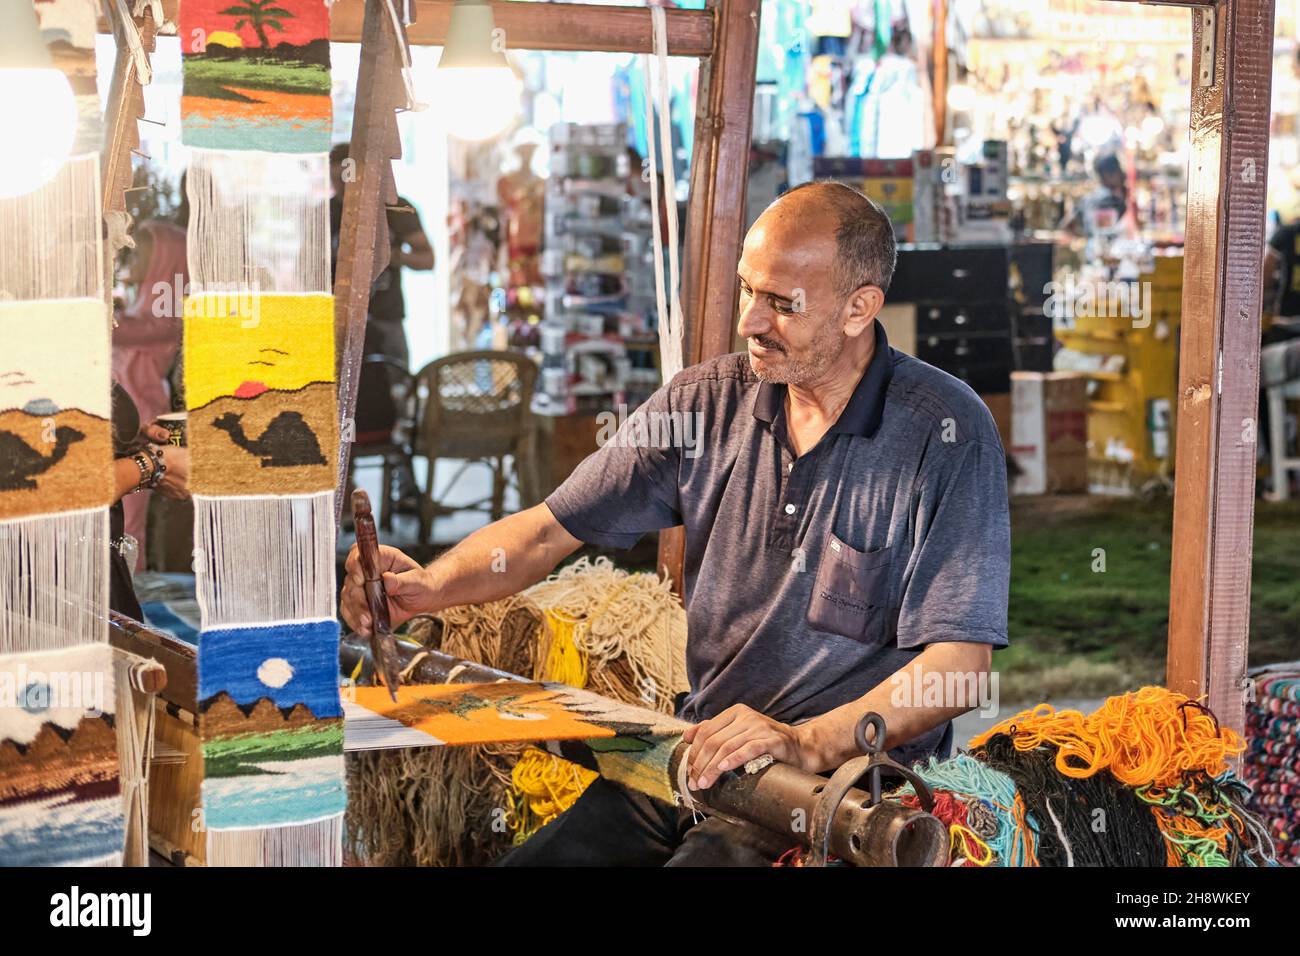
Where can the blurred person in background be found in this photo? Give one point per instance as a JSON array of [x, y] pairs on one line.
[[147, 336]]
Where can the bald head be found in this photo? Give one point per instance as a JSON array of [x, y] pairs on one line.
[[812, 276], [865, 250]]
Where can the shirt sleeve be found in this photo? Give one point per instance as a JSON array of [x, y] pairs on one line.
[[959, 572], [1278, 240], [630, 484]]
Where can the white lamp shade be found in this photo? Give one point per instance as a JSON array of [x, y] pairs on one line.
[[39, 112], [478, 102], [478, 93]]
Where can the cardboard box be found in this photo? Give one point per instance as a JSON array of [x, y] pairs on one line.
[[1049, 432], [899, 322], [999, 406]]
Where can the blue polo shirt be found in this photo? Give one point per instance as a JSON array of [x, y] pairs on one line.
[[811, 579]]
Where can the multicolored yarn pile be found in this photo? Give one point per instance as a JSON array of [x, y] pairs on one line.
[[620, 634], [1271, 764], [1142, 781]]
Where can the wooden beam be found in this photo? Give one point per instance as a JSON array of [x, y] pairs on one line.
[[715, 219], [1214, 491], [124, 109], [538, 26], [362, 256], [178, 659]]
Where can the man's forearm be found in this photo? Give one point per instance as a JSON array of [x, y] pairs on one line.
[[903, 706], [501, 559]]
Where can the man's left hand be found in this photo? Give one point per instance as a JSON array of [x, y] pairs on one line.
[[738, 735]]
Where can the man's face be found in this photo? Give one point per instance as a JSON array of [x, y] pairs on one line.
[[790, 312], [336, 176]]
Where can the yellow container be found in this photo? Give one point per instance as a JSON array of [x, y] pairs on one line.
[[1132, 401]]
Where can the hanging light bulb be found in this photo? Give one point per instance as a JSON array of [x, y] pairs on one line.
[[961, 98], [36, 105], [479, 91]]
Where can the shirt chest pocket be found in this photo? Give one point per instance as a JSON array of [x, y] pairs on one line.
[[850, 594]]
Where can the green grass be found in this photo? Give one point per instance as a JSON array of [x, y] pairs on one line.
[[211, 77], [1076, 631], [239, 755]]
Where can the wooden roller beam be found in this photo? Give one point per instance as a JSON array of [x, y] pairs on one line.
[[179, 683], [715, 219]]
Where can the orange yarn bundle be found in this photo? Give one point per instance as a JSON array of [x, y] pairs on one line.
[[1148, 737]]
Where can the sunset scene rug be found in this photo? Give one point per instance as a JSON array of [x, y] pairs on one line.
[[256, 75]]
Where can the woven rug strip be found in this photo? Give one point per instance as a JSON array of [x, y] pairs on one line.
[[271, 725], [1271, 763], [262, 431], [256, 77], [60, 779], [60, 799], [630, 744]]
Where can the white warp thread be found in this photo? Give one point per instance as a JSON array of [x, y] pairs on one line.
[[672, 331], [259, 222], [54, 581], [319, 843], [51, 238], [264, 560]]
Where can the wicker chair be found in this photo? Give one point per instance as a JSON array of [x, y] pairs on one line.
[[474, 406], [384, 431]]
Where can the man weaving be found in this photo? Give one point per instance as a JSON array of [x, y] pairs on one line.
[[846, 520]]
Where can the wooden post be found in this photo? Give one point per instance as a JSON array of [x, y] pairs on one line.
[[122, 113], [715, 219], [939, 57], [362, 256], [1214, 491]]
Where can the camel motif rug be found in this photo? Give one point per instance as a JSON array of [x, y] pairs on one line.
[[60, 780], [256, 75], [56, 443], [259, 386]]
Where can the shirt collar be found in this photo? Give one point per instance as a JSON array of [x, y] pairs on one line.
[[861, 416]]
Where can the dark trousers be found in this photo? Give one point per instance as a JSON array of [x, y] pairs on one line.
[[611, 825]]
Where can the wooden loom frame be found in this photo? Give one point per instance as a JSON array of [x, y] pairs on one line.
[[724, 35], [1219, 357]]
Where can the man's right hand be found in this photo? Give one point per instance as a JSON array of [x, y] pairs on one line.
[[409, 586]]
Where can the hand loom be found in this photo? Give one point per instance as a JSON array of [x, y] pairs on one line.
[[884, 834], [854, 825]]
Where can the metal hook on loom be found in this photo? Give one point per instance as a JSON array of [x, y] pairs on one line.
[[870, 765]]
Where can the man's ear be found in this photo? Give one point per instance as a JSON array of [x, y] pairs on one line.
[[863, 306]]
